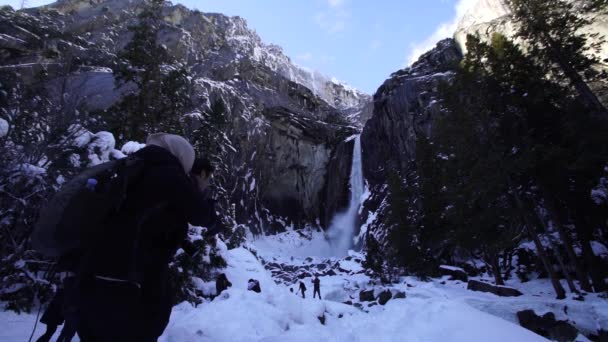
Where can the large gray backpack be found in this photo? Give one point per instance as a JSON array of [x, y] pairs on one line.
[[84, 206]]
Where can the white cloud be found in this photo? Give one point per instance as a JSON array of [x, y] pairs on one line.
[[375, 44], [305, 56], [444, 30], [335, 3], [332, 21]]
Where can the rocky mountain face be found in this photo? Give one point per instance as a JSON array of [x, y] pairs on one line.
[[494, 16], [286, 124], [404, 106], [489, 16]]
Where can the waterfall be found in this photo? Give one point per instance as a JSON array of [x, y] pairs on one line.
[[342, 230]]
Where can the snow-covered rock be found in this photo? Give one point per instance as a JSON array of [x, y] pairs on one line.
[[3, 128], [131, 147]]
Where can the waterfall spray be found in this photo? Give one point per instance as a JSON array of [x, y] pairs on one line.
[[342, 230]]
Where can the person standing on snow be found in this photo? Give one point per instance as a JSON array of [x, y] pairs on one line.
[[317, 287], [302, 289], [123, 291]]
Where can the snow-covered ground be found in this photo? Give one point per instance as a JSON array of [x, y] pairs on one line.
[[439, 310]]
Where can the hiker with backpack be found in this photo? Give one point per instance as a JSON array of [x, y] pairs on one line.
[[120, 251]]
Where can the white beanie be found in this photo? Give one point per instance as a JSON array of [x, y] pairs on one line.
[[177, 145]]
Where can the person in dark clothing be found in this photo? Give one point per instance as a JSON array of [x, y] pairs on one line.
[[123, 287], [52, 317], [201, 175], [254, 285], [221, 283], [317, 287], [302, 289]]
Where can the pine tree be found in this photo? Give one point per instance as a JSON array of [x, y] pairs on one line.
[[373, 255], [551, 29], [488, 140], [162, 93]]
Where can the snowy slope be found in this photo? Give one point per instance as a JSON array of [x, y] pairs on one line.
[[439, 310], [278, 315]]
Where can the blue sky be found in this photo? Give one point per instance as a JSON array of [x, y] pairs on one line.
[[360, 42]]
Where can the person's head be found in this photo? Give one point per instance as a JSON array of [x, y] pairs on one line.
[[202, 170], [177, 145]]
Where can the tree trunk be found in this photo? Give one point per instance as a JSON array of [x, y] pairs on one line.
[[558, 254], [529, 227], [568, 243], [508, 265], [496, 269], [557, 286], [593, 265], [587, 96]]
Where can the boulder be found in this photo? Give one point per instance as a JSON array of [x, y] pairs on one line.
[[456, 273], [384, 297], [547, 326], [330, 273], [366, 296], [470, 269], [502, 291], [399, 295], [303, 275]]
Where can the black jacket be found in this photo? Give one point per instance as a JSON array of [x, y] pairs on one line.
[[138, 245]]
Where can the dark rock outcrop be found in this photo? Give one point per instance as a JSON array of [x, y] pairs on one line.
[[547, 326], [366, 296], [384, 297], [502, 291], [405, 106], [399, 295]]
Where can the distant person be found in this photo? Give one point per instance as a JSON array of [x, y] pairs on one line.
[[302, 289], [317, 287], [254, 285], [222, 283], [201, 175]]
